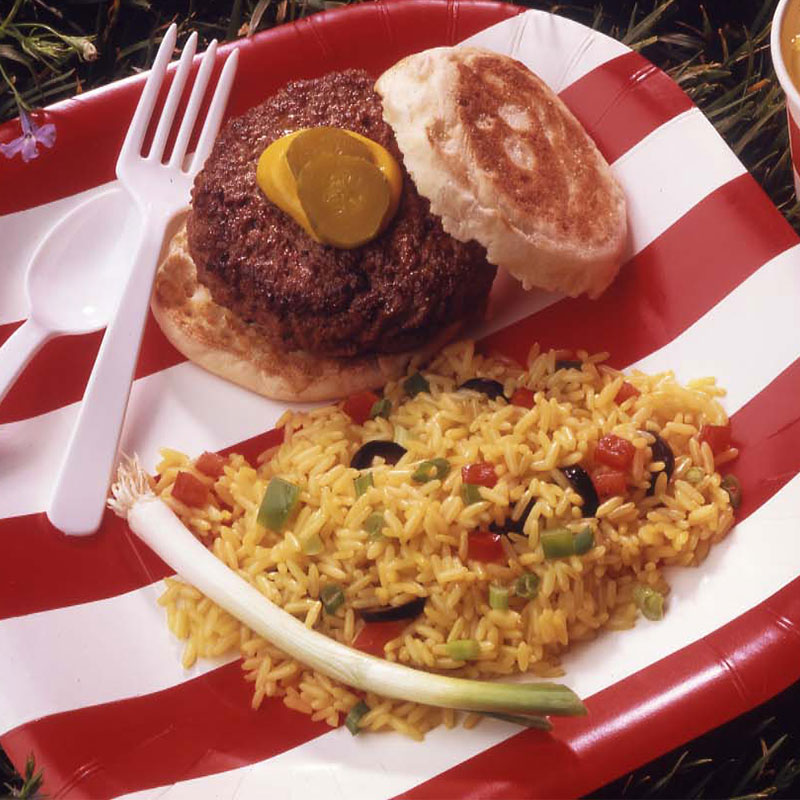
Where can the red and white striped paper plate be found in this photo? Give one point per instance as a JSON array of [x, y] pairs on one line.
[[92, 681]]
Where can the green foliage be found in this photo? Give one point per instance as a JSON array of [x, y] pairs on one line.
[[53, 50], [24, 787], [36, 56]]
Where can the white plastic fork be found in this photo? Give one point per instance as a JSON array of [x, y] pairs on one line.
[[160, 192]]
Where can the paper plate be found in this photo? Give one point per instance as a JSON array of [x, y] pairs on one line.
[[92, 680]]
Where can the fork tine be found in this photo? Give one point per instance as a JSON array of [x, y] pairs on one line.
[[215, 112], [193, 106], [141, 117], [173, 98]]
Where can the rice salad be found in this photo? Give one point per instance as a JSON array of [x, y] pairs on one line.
[[526, 509]]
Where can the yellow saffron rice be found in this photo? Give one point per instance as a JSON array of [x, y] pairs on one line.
[[422, 550]]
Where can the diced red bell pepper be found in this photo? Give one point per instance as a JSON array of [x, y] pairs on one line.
[[482, 474], [522, 397], [625, 391], [358, 406], [210, 464], [375, 635], [191, 491], [609, 482], [717, 436], [486, 546], [614, 451]]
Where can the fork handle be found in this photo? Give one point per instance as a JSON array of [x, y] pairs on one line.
[[79, 499], [18, 350]]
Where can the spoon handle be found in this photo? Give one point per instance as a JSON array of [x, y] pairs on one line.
[[79, 499], [18, 350]]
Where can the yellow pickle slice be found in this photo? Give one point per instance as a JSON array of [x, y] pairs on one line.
[[344, 197], [281, 163], [324, 140]]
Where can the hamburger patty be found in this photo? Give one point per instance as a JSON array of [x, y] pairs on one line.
[[389, 295]]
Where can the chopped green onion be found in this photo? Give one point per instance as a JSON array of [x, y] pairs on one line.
[[649, 601], [538, 723], [279, 501], [312, 545], [362, 483], [373, 525], [562, 542], [428, 470], [498, 597], [353, 719], [730, 483], [583, 541], [332, 597], [527, 585], [470, 493], [415, 384], [463, 649], [558, 543], [694, 475], [381, 408]]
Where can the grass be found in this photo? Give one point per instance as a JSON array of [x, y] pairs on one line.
[[718, 51]]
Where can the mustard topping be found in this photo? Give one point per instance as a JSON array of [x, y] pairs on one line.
[[348, 221]]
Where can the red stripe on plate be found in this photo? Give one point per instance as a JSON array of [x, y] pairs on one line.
[[58, 374], [43, 569], [200, 727], [623, 101], [767, 433], [725, 674], [767, 428], [669, 285]]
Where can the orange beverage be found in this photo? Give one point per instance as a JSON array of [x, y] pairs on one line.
[[785, 49], [789, 33]]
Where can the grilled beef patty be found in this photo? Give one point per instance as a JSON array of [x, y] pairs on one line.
[[389, 295]]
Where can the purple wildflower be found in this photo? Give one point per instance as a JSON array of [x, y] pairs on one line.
[[32, 134]]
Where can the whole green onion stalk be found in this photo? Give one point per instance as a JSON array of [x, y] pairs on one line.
[[156, 524]]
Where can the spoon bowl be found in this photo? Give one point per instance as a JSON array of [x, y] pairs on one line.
[[74, 281], [74, 278]]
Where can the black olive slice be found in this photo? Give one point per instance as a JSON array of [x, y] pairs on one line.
[[391, 452], [661, 452], [512, 525], [582, 484], [413, 608], [491, 388], [564, 363]]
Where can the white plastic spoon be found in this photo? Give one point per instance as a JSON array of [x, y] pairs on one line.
[[74, 278]]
